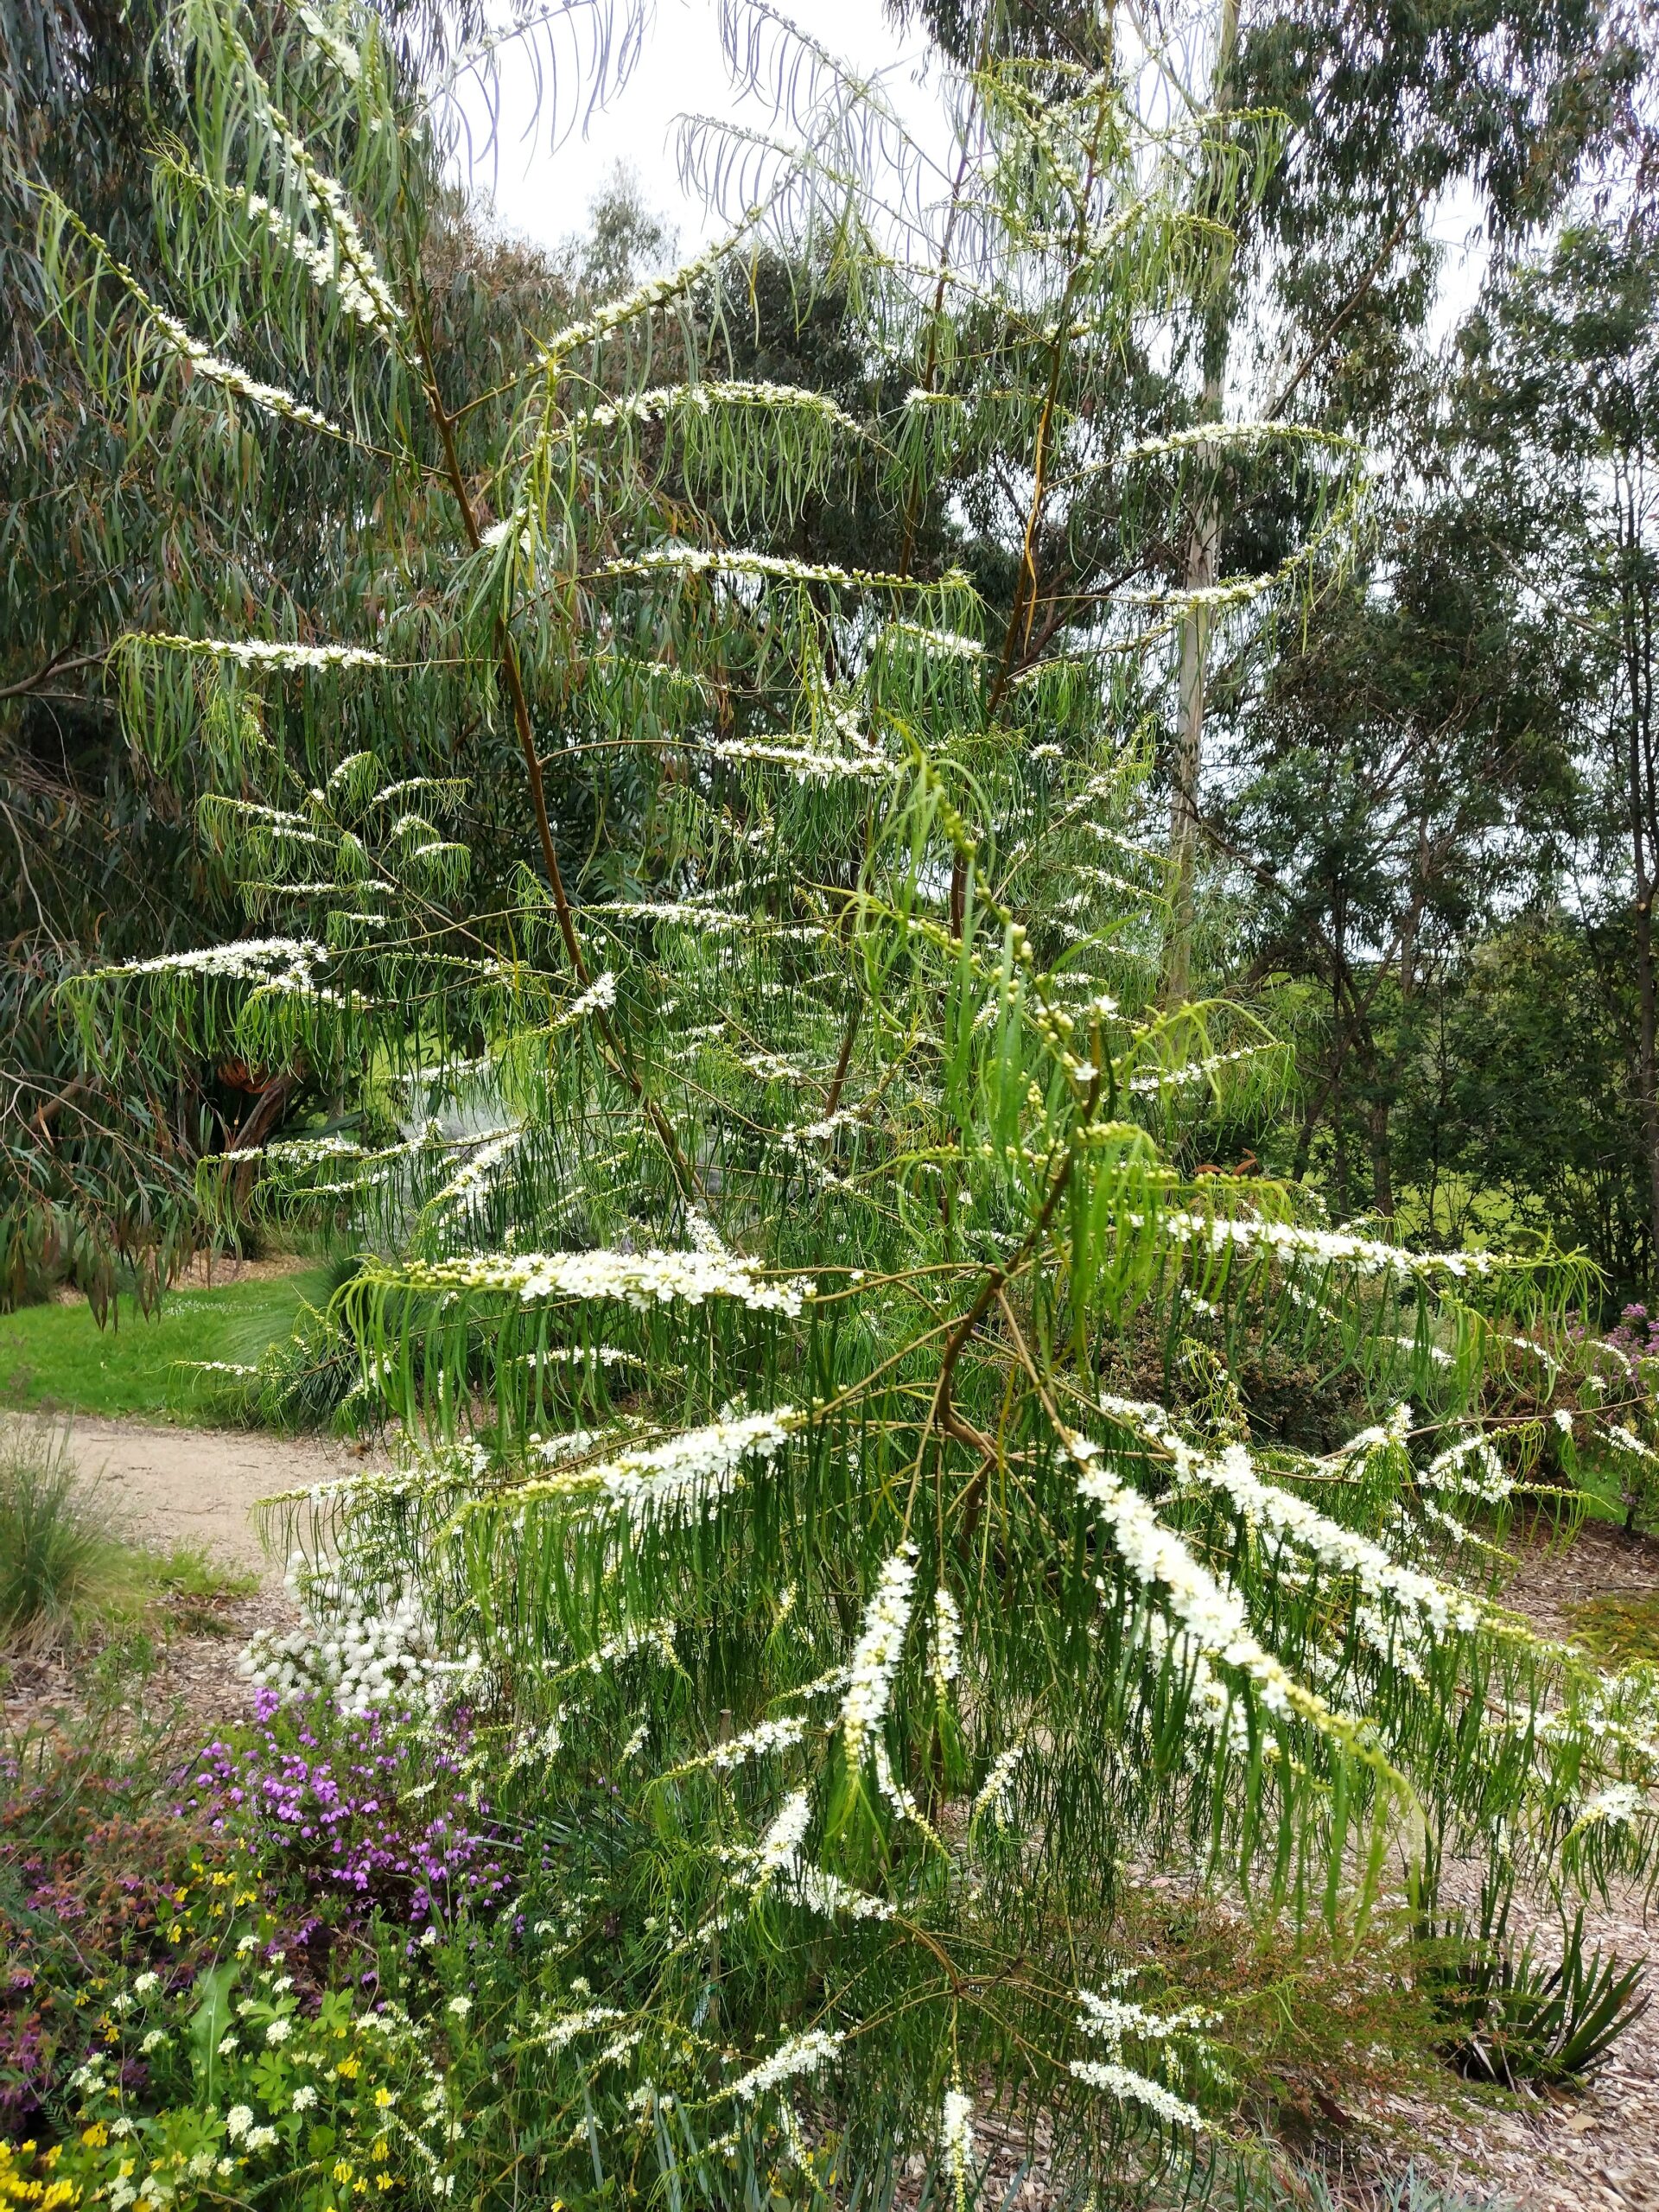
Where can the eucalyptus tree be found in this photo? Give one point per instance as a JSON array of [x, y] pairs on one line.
[[1561, 393], [772, 1171]]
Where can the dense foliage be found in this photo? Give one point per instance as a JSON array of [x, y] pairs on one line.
[[877, 1490]]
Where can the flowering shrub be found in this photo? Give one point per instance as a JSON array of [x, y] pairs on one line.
[[853, 1629], [362, 1647], [372, 1810], [87, 1890], [1619, 1394], [247, 2092], [28, 2177]]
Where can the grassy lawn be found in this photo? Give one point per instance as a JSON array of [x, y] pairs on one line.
[[55, 1358]]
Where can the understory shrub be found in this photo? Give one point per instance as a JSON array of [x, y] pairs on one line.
[[368, 1809]]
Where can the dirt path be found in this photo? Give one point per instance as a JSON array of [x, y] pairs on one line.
[[166, 1487], [198, 1486]]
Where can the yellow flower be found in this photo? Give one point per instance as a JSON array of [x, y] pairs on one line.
[[342, 2170], [175, 1933], [378, 2153], [96, 2136], [383, 2181], [179, 1896], [383, 2097], [350, 2068]]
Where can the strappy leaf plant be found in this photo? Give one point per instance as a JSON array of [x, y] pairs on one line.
[[826, 1458]]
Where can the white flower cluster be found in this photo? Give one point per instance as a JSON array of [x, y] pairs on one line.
[[1428, 1605], [494, 1146], [599, 998], [565, 2027], [705, 561], [992, 1796], [1111, 2018], [285, 962], [875, 1657], [957, 2141], [780, 1847], [801, 2055], [266, 652], [1212, 1614], [1432, 1606], [776, 1863], [1156, 1079], [1616, 1807], [1130, 2088], [690, 1472], [817, 1891], [949, 645], [345, 56], [806, 1132], [701, 399], [269, 398], [1336, 1247], [947, 1640], [754, 1743], [806, 764], [656, 292], [328, 202], [366, 1650], [1450, 1470], [640, 1279], [324, 264]]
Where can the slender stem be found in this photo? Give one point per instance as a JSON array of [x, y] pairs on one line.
[[512, 677]]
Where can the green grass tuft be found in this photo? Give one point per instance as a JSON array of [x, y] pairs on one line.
[[68, 1577]]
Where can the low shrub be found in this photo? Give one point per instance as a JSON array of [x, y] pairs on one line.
[[1511, 2017], [1620, 1626], [67, 1576], [368, 1810]]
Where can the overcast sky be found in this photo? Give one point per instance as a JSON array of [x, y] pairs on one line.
[[546, 164], [544, 190]]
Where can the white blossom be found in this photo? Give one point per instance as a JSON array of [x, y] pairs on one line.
[[801, 2055], [780, 1845], [1130, 2088], [876, 1656], [947, 1639], [1617, 1807], [640, 1279], [686, 1474], [956, 2139], [993, 1793]]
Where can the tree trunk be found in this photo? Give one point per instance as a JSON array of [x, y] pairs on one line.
[[1636, 620], [1203, 539], [1189, 737]]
